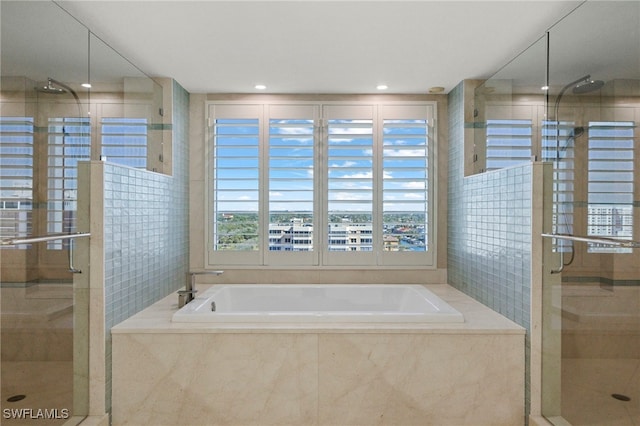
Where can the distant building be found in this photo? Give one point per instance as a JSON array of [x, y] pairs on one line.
[[348, 236], [391, 243], [610, 221], [291, 237], [297, 236]]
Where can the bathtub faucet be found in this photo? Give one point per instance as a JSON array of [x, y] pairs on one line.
[[188, 294]]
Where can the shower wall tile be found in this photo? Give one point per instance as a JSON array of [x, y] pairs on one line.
[[489, 230], [146, 229]]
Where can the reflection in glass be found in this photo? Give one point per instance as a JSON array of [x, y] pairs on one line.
[[593, 324], [16, 177]]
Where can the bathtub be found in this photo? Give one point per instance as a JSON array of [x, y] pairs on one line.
[[285, 303]]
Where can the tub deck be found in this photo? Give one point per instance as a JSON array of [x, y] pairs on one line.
[[478, 319], [169, 373]]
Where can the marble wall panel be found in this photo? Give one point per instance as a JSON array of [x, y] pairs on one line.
[[318, 378], [214, 379], [420, 379]]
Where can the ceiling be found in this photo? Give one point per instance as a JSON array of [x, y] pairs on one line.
[[326, 46]]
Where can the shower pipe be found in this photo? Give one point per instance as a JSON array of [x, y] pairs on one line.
[[613, 242], [51, 88], [53, 237], [580, 86]]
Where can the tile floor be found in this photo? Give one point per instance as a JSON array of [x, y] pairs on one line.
[[587, 386], [46, 385]]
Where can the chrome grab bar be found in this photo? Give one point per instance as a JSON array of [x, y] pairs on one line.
[[51, 237], [613, 242]]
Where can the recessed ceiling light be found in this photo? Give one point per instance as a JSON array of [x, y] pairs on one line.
[[87, 85], [544, 88], [382, 87], [260, 86], [436, 89]]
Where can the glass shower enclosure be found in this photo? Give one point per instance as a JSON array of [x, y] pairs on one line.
[[571, 101], [592, 281], [65, 97], [44, 131]]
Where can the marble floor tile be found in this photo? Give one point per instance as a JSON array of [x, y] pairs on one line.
[[587, 386], [46, 385]]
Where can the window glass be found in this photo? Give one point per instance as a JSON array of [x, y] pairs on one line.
[[291, 184], [611, 170], [558, 145], [16, 177], [236, 184], [508, 143], [124, 141], [332, 185], [69, 142], [350, 184], [405, 171]]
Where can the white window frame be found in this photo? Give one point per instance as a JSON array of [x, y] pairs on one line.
[[321, 257], [16, 199], [601, 187], [62, 173]]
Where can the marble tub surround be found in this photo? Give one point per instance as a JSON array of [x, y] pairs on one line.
[[168, 373]]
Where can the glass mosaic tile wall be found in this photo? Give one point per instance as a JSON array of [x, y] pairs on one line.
[[489, 231], [146, 230]]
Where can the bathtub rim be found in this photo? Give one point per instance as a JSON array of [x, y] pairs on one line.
[[479, 319], [444, 312]]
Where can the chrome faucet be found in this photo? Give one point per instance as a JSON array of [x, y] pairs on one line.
[[188, 294]]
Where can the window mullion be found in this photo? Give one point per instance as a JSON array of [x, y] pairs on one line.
[[320, 173], [378, 185], [263, 183]]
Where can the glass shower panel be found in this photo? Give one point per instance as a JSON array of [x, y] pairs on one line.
[[509, 113], [44, 132], [127, 111], [594, 110]]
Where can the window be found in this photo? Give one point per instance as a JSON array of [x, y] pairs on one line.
[[235, 167], [405, 168], [610, 188], [124, 141], [69, 142], [350, 183], [291, 176], [320, 184], [509, 142], [16, 177], [558, 145]]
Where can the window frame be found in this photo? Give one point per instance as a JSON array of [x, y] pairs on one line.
[[17, 155], [321, 257], [599, 154]]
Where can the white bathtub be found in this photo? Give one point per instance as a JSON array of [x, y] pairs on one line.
[[318, 303]]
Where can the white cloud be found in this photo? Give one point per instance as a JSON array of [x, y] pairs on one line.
[[414, 185], [350, 196], [404, 152]]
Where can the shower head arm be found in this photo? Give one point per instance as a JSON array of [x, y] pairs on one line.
[[555, 110], [564, 89], [66, 87]]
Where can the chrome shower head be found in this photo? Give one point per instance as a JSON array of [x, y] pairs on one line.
[[576, 132], [587, 86], [50, 88]]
